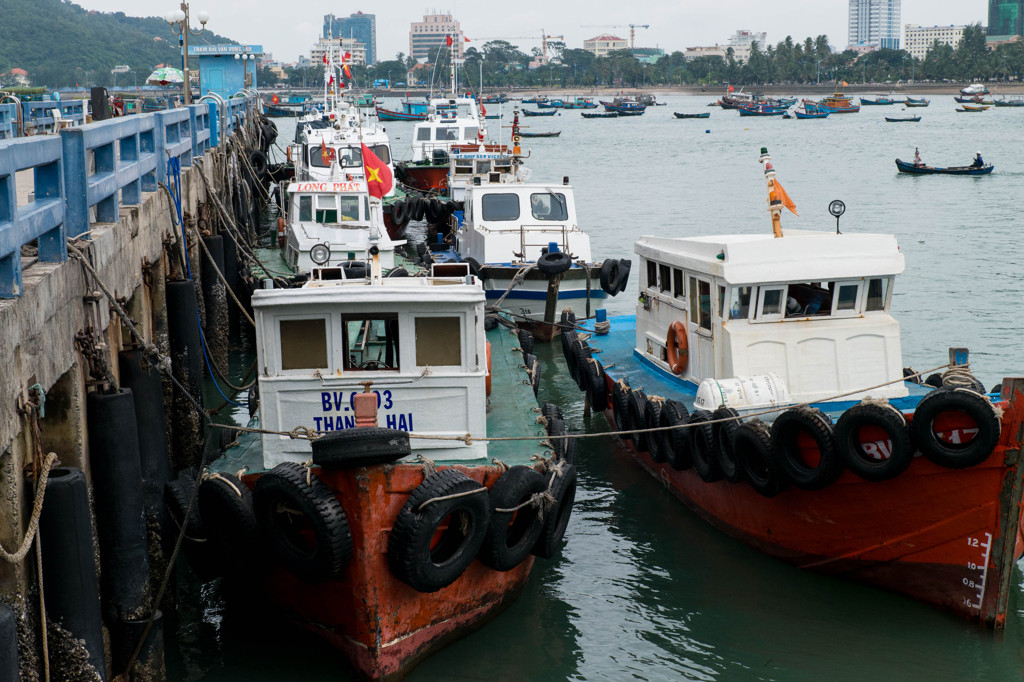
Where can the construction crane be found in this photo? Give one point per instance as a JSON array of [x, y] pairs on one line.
[[544, 38], [632, 30]]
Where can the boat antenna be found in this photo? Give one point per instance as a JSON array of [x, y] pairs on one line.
[[774, 202]]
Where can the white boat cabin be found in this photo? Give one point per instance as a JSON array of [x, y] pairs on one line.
[[513, 222], [810, 307], [420, 340], [455, 121], [491, 163], [330, 223]]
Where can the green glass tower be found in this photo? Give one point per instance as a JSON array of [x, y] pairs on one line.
[[1005, 17]]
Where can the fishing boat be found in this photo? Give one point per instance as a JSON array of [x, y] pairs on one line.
[[548, 112], [389, 115], [624, 104], [977, 99], [399, 528], [732, 100], [974, 89], [606, 114], [877, 100], [803, 114], [580, 103], [911, 102], [914, 169], [494, 99], [706, 114], [365, 100], [550, 104], [555, 133], [772, 365], [492, 116], [902, 119], [836, 103], [1014, 101], [535, 100], [760, 109], [968, 108], [628, 112]]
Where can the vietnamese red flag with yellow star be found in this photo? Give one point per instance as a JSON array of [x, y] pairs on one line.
[[378, 176]]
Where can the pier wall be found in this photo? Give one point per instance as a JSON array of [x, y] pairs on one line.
[[98, 185]]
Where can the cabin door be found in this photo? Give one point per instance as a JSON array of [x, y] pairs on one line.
[[701, 341]]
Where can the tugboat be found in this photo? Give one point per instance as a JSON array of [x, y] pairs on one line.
[[398, 528], [770, 367]]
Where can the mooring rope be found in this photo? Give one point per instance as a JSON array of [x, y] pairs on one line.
[[37, 510]]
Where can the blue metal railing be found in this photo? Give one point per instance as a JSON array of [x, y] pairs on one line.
[[40, 114], [8, 120], [87, 173]]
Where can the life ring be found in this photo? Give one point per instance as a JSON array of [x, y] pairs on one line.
[[289, 510], [562, 486], [596, 386], [434, 540], [752, 444], [723, 441], [620, 404], [874, 441], [637, 406], [677, 348], [487, 379], [945, 451], [675, 442], [652, 420], [702, 446], [554, 263], [512, 534], [225, 505], [808, 468], [361, 446]]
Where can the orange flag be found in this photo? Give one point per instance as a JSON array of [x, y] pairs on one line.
[[786, 201], [378, 176]]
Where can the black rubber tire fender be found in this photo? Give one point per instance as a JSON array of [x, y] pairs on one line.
[[702, 447], [956, 456], [413, 556], [566, 338], [752, 445], [786, 432], [573, 360], [512, 534], [475, 268], [361, 446], [886, 418], [620, 404], [533, 369], [556, 518], [290, 512], [225, 504], [624, 267], [724, 431], [597, 387], [609, 276], [421, 208], [525, 340], [259, 163], [675, 442], [554, 263], [550, 412], [637, 406], [400, 213], [582, 353], [564, 449], [652, 420]]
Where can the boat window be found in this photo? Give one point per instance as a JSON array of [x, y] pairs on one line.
[[811, 298], [370, 341], [305, 207], [721, 303], [652, 274], [382, 152], [446, 134], [464, 166], [501, 207], [677, 282], [326, 208], [549, 206], [700, 303], [471, 133], [349, 207], [351, 157], [303, 344], [423, 134], [665, 279], [739, 303], [321, 157], [438, 341], [847, 298], [877, 291], [771, 303]]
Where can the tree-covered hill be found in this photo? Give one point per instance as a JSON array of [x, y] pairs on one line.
[[60, 43]]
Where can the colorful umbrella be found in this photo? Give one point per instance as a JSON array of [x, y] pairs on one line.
[[166, 75]]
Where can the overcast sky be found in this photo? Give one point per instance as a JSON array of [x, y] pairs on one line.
[[289, 28]]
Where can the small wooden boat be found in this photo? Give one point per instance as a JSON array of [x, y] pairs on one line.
[[880, 100], [551, 104], [905, 167], [902, 119], [607, 114], [810, 114], [629, 112], [1015, 101], [916, 102], [389, 115], [551, 134], [972, 100], [760, 110], [967, 108], [493, 116], [706, 114], [546, 112]]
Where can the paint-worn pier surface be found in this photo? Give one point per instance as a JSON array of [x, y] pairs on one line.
[[117, 197]]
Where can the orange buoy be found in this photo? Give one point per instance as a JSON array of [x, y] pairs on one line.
[[487, 381], [677, 348]]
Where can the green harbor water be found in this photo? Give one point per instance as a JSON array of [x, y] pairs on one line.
[[644, 589]]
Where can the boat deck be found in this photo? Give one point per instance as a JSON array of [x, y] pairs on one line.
[[621, 361], [272, 264]]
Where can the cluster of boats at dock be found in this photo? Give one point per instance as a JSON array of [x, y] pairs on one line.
[[760, 378]]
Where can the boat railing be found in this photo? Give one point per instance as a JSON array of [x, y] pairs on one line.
[[525, 230]]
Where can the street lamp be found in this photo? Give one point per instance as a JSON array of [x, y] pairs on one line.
[[244, 57], [179, 21]]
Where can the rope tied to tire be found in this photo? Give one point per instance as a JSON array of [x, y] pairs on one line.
[[542, 500], [226, 480], [37, 510], [427, 465], [959, 376], [453, 496]]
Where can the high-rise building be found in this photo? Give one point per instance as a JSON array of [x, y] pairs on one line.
[[875, 23], [358, 26], [434, 31], [917, 40], [1005, 18], [742, 41]]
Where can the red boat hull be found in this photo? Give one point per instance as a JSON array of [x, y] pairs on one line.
[[426, 178], [394, 231], [384, 626], [948, 537]]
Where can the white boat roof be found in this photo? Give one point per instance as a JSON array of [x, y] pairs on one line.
[[800, 255], [410, 291]]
